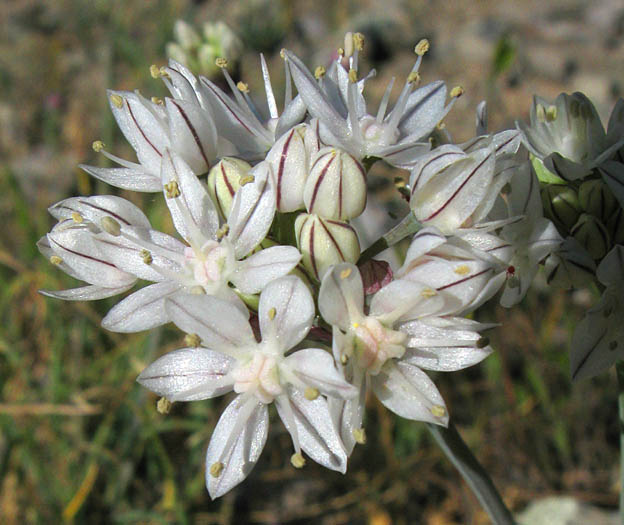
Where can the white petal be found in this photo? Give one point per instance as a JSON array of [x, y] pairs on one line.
[[188, 374], [236, 444], [348, 414], [91, 292], [314, 428], [408, 392], [193, 211], [315, 367], [142, 310], [255, 272], [252, 212], [405, 299], [424, 109], [425, 241], [95, 208], [285, 311], [220, 324], [126, 178], [341, 298]]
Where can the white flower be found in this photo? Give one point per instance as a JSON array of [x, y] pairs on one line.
[[598, 340], [261, 373], [399, 137], [181, 126], [568, 135], [405, 330], [213, 257]]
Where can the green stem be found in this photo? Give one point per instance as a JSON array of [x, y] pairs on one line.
[[408, 226], [619, 368], [473, 473]]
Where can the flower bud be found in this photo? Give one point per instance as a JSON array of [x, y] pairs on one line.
[[592, 235], [561, 205], [186, 35], [336, 185], [289, 160], [224, 181], [597, 199], [324, 242], [615, 226], [571, 267]]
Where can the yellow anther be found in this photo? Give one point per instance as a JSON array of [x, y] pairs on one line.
[[441, 125], [359, 434], [297, 460], [117, 100], [428, 292], [345, 273], [422, 47], [358, 41], [97, 146], [221, 62], [311, 393], [540, 113], [158, 100], [163, 406], [457, 92], [355, 325], [283, 53], [272, 313], [246, 179], [154, 71], [551, 113], [223, 231], [352, 76], [163, 72], [76, 217], [482, 342], [172, 190], [348, 44], [340, 52], [319, 72], [216, 469], [413, 78], [399, 182], [55, 260], [243, 87], [197, 290], [344, 359], [462, 269], [111, 226], [192, 340], [146, 256], [438, 411]]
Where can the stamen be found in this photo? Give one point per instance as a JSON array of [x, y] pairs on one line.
[[246, 179], [413, 78], [244, 88], [283, 53], [192, 340], [111, 226], [272, 313], [381, 112], [157, 100], [221, 62], [358, 41], [172, 190], [154, 71], [345, 273], [146, 256], [223, 231], [482, 342], [355, 325], [540, 113], [348, 45], [55, 260], [216, 469], [340, 52], [359, 434], [163, 73], [163, 406], [352, 76], [422, 47], [97, 146], [428, 292], [77, 218], [457, 92], [438, 411], [117, 100], [551, 113], [311, 393], [344, 359], [319, 72], [462, 269], [297, 460], [268, 88]]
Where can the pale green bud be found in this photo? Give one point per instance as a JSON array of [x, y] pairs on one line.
[[336, 186], [185, 35], [561, 206], [592, 235], [224, 180], [597, 199], [324, 242]]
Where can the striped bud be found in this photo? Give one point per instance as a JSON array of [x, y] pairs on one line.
[[336, 186], [592, 235], [224, 181], [561, 206], [597, 199], [324, 242], [289, 160]]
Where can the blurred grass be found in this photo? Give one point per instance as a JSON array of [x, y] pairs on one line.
[[81, 441]]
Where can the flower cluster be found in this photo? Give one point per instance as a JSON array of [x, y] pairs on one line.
[[267, 277], [582, 170]]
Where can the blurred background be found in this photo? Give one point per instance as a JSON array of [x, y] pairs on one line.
[[81, 441]]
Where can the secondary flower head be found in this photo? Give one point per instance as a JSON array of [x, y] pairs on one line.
[[260, 373]]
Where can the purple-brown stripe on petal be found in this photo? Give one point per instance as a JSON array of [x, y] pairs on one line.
[[193, 132], [139, 128], [465, 279], [280, 171], [320, 179]]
